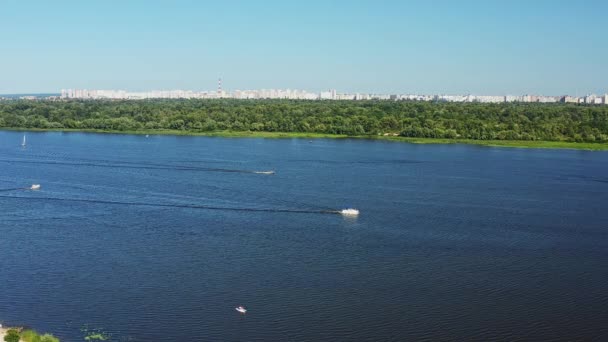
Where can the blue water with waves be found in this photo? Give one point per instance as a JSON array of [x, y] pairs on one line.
[[130, 235]]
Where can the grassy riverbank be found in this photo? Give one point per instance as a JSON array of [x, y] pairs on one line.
[[283, 135], [509, 143], [27, 335]]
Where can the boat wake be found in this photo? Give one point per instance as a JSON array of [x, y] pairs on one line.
[[33, 187], [12, 189], [182, 206], [145, 166]]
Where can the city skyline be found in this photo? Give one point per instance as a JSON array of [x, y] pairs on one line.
[[467, 47], [169, 93], [331, 94]]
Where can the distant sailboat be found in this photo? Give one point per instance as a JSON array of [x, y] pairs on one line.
[[23, 143]]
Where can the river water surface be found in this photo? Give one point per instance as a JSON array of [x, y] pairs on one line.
[[129, 235]]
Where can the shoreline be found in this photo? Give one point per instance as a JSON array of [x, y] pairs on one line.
[[296, 135]]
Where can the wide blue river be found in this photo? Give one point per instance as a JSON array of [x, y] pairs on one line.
[[159, 238]]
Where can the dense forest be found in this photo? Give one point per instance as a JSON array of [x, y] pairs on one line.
[[509, 121]]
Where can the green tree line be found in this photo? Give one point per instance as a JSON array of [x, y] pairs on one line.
[[479, 121]]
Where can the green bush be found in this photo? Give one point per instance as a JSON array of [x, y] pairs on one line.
[[12, 335]]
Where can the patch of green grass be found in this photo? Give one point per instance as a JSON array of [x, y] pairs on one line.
[[508, 143], [96, 337], [32, 336], [48, 338], [94, 334]]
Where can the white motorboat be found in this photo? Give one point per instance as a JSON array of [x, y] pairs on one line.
[[241, 309], [349, 212], [35, 187], [265, 172]]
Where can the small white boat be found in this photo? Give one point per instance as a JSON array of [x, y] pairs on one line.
[[241, 309], [35, 187], [349, 212], [23, 143], [265, 172], [147, 135]]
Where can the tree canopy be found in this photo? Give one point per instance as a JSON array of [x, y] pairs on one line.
[[479, 121]]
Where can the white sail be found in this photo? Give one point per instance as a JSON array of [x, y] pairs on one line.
[[23, 143]]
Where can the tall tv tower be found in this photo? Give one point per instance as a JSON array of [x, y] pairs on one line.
[[219, 87]]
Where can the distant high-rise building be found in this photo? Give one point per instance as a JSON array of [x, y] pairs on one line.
[[590, 99]]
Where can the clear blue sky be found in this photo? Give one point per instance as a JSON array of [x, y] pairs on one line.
[[480, 47]]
